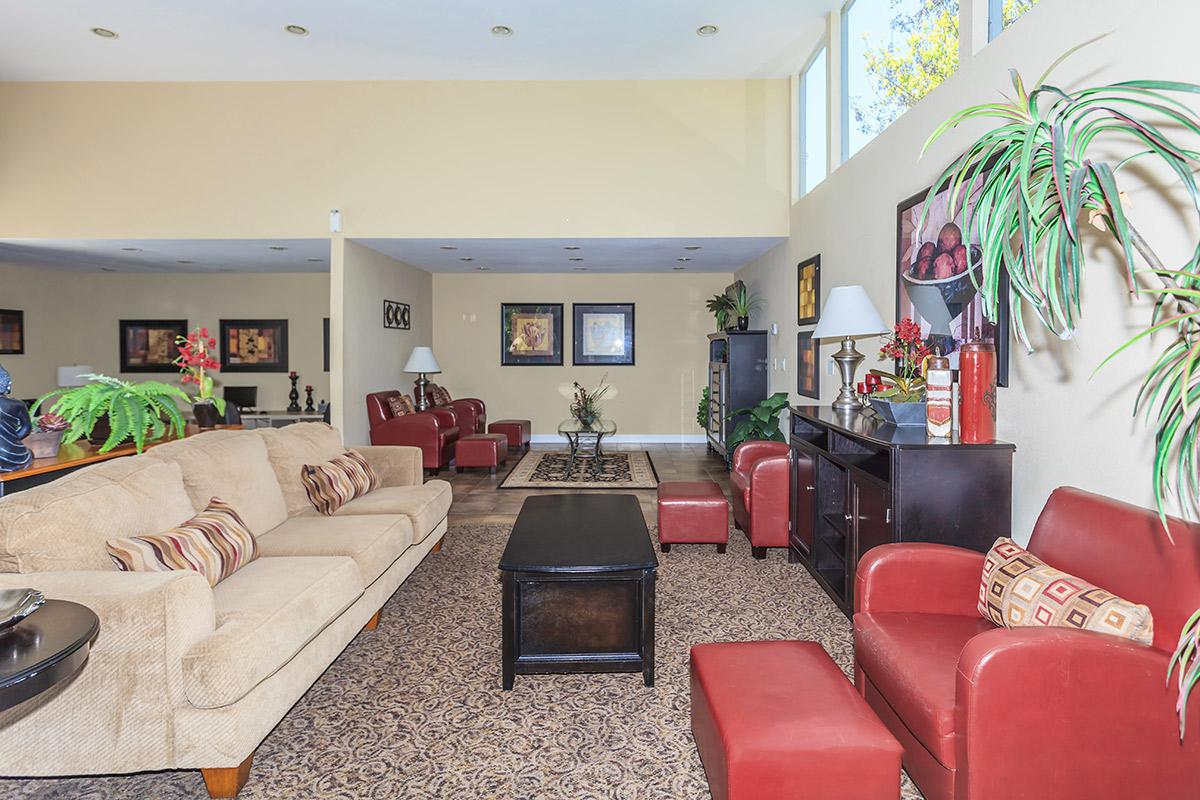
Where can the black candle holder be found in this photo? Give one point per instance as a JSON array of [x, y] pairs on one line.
[[294, 395], [308, 403]]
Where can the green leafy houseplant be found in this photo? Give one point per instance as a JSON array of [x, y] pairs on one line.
[[1039, 177], [720, 306], [135, 410], [760, 423], [702, 411], [585, 404], [742, 304]]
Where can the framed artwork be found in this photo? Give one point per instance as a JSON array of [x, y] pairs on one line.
[[254, 345], [12, 332], [603, 333], [531, 334], [325, 326], [148, 345], [808, 291], [808, 365], [937, 273], [396, 315]]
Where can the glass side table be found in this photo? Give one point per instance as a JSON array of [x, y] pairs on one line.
[[584, 440]]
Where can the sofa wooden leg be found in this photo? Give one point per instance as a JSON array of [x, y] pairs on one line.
[[227, 781], [373, 622], [666, 548], [758, 552], [437, 548], [720, 548]]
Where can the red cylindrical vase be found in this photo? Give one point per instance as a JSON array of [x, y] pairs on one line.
[[977, 377]]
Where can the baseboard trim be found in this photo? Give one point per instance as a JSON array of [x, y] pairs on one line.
[[629, 438]]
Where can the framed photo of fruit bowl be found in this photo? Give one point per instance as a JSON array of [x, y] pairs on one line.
[[938, 274]]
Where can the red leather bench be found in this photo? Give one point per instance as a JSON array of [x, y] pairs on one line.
[[692, 512], [517, 431], [481, 450], [779, 720]]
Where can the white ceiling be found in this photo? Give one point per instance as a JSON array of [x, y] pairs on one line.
[[217, 40], [164, 255], [599, 255]]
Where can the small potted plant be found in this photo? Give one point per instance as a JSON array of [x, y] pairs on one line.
[[721, 306], [47, 435], [139, 412], [901, 400], [585, 405], [741, 305], [195, 364]]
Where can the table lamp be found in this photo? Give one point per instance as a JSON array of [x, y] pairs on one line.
[[422, 362], [74, 375], [848, 313]]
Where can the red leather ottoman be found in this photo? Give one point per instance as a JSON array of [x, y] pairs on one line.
[[517, 431], [692, 512], [481, 450], [779, 720]]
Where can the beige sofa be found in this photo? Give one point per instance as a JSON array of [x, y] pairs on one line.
[[184, 676]]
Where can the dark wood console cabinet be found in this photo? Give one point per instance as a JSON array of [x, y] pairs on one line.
[[858, 482]]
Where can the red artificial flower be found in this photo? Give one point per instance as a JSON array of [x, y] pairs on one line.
[[204, 332], [212, 342]]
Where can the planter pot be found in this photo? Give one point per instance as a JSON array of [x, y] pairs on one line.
[[743, 323], [100, 431], [901, 414], [206, 415], [44, 444]]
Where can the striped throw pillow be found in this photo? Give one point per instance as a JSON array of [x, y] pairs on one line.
[[216, 543], [338, 481]]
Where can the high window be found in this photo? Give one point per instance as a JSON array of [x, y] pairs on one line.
[[1002, 13], [814, 111], [894, 52]]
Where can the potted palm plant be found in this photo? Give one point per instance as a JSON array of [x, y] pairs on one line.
[[720, 306], [742, 304]]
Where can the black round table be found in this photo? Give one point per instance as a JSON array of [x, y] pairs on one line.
[[45, 648]]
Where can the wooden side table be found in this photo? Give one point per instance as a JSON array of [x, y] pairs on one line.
[[49, 646]]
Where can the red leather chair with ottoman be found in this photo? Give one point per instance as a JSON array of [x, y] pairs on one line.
[[470, 413], [433, 431], [991, 713], [517, 431], [758, 480], [692, 512], [778, 720], [481, 450]]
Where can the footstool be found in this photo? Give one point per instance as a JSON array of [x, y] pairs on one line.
[[692, 512], [481, 450], [779, 719], [517, 431]]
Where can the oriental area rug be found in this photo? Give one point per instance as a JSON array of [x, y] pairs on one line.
[[628, 469]]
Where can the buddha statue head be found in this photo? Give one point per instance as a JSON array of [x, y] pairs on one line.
[[5, 382]]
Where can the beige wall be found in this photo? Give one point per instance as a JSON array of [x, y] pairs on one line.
[[72, 318], [656, 397], [372, 356], [475, 158], [1069, 427]]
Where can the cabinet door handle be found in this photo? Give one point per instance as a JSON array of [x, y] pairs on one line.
[[887, 517], [810, 488], [849, 517]]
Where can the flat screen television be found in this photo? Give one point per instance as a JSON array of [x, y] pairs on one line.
[[243, 397]]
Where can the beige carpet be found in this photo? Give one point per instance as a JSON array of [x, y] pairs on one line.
[[414, 710]]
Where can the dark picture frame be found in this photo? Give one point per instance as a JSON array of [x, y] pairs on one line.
[[531, 334], [148, 345], [12, 332], [602, 334], [808, 365], [397, 315], [254, 345], [808, 291], [938, 294]]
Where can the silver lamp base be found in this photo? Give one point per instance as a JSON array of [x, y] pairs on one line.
[[847, 359], [422, 399]]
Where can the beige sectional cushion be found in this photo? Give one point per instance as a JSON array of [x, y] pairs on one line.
[[233, 466], [373, 541], [265, 612], [425, 505], [290, 448], [65, 524]]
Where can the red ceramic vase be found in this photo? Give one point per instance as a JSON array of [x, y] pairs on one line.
[[977, 378]]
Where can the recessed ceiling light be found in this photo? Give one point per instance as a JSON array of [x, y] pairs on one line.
[[447, 247], [483, 269], [276, 247], [571, 247], [677, 269], [501, 30], [683, 258], [296, 30], [184, 261], [107, 269], [575, 258], [707, 30], [581, 269], [692, 247], [132, 249], [465, 258], [105, 33], [314, 260]]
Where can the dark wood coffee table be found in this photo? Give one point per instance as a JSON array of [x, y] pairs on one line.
[[578, 581], [47, 647]]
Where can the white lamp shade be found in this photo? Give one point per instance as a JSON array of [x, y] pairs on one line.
[[73, 375], [422, 360], [848, 312]]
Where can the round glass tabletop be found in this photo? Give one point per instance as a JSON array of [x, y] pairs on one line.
[[602, 426]]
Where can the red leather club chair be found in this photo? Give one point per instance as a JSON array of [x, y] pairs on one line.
[[988, 713], [759, 483], [470, 413], [434, 431]]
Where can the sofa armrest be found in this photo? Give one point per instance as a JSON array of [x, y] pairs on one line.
[[416, 430], [747, 453], [919, 577], [445, 416], [396, 465], [769, 507], [1060, 703], [117, 715]]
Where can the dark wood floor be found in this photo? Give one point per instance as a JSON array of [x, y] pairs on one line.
[[477, 497]]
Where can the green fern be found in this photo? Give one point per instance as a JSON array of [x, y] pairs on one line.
[[140, 412]]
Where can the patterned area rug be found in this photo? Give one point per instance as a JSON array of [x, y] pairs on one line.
[[548, 470], [414, 709]]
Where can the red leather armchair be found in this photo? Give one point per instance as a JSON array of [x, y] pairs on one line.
[[758, 480], [470, 413], [988, 713], [434, 431]]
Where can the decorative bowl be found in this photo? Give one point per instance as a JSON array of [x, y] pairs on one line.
[[17, 604], [900, 414]]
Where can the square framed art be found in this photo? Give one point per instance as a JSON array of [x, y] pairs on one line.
[[531, 334], [602, 334], [808, 365], [254, 345], [148, 345], [808, 291], [12, 331]]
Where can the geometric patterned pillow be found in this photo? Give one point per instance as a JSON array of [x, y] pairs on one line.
[[338, 481], [437, 394], [1018, 589], [401, 404], [216, 543]]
